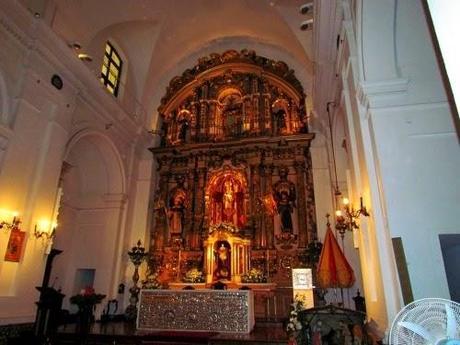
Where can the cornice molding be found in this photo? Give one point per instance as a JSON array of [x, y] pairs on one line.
[[10, 27], [382, 93], [258, 142]]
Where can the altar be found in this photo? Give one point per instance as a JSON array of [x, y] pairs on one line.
[[233, 205], [230, 311]]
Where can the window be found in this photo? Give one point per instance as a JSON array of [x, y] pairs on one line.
[[111, 69]]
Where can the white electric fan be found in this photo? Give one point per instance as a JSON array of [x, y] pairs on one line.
[[429, 321]]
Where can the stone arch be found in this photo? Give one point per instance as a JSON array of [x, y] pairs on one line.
[[376, 40], [109, 154], [91, 215]]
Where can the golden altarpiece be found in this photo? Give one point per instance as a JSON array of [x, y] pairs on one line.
[[235, 193]]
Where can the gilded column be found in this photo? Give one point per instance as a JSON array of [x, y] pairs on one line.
[[263, 224], [269, 222], [295, 118], [204, 118], [246, 114], [200, 216], [233, 254], [194, 122], [255, 205], [189, 218], [312, 231], [160, 229], [301, 205], [267, 114], [213, 120], [255, 113]]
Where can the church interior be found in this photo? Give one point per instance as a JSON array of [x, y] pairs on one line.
[[223, 172]]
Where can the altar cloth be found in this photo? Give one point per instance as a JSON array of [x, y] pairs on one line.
[[229, 311]]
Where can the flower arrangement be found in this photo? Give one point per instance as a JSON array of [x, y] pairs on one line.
[[87, 298], [255, 275], [294, 324], [193, 275], [151, 282]]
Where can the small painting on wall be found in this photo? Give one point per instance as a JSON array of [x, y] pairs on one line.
[[15, 243]]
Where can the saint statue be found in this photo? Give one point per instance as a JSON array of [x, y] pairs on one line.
[[160, 222], [285, 208], [222, 270], [176, 214], [281, 120], [228, 203], [183, 128], [285, 198]]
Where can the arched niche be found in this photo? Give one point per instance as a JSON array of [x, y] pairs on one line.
[[90, 215], [227, 198], [226, 255]]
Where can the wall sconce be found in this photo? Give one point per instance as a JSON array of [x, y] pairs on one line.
[[347, 220], [45, 229], [14, 223]]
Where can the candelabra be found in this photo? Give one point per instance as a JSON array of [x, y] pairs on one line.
[[137, 255], [347, 220], [14, 225]]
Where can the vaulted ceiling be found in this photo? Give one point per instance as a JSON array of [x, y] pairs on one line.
[[162, 38]]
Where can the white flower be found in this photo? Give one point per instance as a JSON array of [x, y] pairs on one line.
[[294, 324], [298, 326]]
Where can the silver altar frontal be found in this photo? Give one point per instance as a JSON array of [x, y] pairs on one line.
[[230, 311]]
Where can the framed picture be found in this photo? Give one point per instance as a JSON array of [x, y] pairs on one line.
[[15, 243]]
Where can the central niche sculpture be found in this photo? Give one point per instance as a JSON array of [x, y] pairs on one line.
[[226, 195]]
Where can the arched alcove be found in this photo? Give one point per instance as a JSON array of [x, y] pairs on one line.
[[90, 216]]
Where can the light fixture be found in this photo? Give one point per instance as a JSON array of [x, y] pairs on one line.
[[14, 224], [306, 8], [75, 45], [306, 24], [45, 229], [85, 57], [347, 219]]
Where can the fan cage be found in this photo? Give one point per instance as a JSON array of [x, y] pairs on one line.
[[431, 315]]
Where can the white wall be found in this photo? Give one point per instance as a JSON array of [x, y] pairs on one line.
[[39, 128], [419, 156], [404, 152]]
